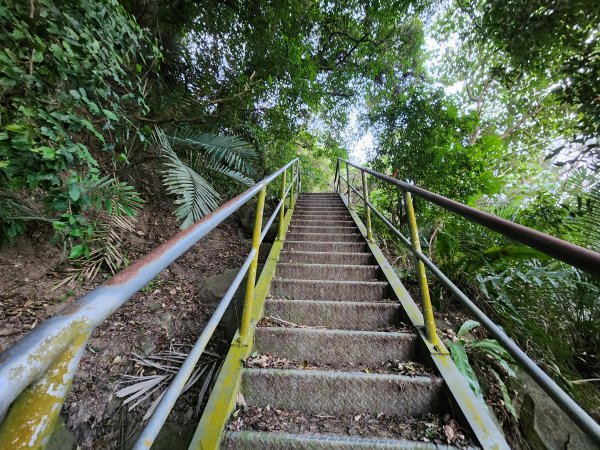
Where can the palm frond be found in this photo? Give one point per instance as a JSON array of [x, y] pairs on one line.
[[222, 169], [195, 195], [155, 372], [229, 150], [114, 196]]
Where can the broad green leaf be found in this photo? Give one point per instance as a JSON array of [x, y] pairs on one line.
[[74, 191], [466, 327], [77, 251], [111, 115], [460, 358], [506, 397]]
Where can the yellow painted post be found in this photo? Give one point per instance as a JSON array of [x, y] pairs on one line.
[[249, 299], [282, 210], [348, 183], [421, 275], [367, 209]]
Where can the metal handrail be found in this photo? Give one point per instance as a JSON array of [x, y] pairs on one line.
[[574, 255], [585, 259], [39, 368]]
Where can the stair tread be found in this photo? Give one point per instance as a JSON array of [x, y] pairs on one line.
[[334, 282], [351, 376], [349, 333], [328, 441], [325, 253], [341, 266]]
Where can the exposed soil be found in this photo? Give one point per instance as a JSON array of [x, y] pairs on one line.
[[428, 428], [165, 313], [269, 361]]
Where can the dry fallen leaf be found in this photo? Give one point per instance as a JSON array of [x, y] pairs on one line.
[[450, 433], [240, 400]]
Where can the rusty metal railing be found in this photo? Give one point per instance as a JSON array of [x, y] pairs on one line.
[[36, 373], [567, 252]]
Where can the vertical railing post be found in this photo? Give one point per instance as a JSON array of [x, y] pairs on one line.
[[292, 181], [32, 416], [249, 299], [336, 178], [282, 210], [348, 185], [367, 209], [298, 180], [420, 271]]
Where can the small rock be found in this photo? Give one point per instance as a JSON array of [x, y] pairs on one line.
[[147, 347], [154, 306]]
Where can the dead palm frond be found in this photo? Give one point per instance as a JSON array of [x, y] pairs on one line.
[[155, 372]]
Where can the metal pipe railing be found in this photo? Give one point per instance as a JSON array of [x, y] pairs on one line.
[[36, 372], [585, 259], [574, 255]]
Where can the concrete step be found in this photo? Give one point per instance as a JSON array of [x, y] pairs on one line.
[[252, 440], [329, 290], [324, 392], [322, 215], [319, 194], [336, 314], [326, 257], [322, 229], [323, 210], [337, 247], [335, 202], [322, 223], [323, 346], [302, 206], [338, 272], [324, 237]]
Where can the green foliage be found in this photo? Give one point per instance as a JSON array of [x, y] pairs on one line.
[[423, 139], [481, 351], [281, 75], [196, 197], [555, 46], [70, 78]]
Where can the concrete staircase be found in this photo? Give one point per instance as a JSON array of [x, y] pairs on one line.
[[327, 282]]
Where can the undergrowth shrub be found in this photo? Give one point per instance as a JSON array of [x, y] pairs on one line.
[[71, 82]]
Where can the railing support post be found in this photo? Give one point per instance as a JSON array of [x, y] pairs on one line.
[[249, 299], [367, 209], [348, 185], [292, 181], [282, 210], [420, 271], [32, 416]]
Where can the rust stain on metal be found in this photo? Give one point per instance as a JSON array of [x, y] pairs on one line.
[[130, 272], [72, 308]]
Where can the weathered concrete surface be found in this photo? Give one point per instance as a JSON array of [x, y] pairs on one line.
[[212, 289], [324, 392], [324, 346], [336, 314], [544, 425]]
